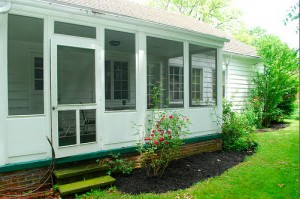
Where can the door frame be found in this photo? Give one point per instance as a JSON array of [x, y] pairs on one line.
[[76, 149]]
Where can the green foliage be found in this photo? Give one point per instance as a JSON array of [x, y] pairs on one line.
[[215, 12], [273, 172], [237, 129], [116, 164], [163, 139], [277, 84], [249, 36], [55, 187], [293, 15]]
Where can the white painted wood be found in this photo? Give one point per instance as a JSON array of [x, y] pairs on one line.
[[114, 129], [56, 107], [186, 75], [3, 88], [240, 71]]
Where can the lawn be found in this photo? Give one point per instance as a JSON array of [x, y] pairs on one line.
[[273, 172]]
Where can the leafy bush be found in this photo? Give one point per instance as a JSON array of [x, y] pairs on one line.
[[237, 129], [116, 164], [277, 84], [163, 138]]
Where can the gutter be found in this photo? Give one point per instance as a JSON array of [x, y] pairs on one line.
[[5, 7]]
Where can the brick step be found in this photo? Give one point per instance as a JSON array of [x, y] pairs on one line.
[[78, 171], [80, 186]]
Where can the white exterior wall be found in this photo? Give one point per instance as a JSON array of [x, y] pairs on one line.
[[23, 138], [239, 71]]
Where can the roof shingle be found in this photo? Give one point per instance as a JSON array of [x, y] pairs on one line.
[[142, 12]]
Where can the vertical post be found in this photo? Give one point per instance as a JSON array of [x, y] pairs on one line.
[[219, 86], [3, 86], [186, 78], [141, 80]]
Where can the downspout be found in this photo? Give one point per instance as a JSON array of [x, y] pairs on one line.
[[5, 7], [226, 74]]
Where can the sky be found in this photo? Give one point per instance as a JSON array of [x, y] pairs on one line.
[[269, 15]]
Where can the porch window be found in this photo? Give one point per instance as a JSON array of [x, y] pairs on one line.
[[120, 83], [25, 65], [203, 81], [165, 70], [176, 84]]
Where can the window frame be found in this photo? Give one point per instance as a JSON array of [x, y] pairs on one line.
[[112, 81], [180, 84], [214, 100]]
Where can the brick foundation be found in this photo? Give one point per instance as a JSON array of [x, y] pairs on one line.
[[23, 178]]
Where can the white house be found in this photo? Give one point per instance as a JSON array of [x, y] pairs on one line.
[[239, 63], [81, 71]]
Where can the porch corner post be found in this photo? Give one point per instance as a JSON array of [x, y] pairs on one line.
[[141, 80], [3, 87], [219, 87], [186, 77]]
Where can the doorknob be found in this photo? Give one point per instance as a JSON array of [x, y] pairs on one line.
[[53, 108]]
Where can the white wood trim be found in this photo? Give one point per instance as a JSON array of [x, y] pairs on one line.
[[3, 88], [186, 75], [63, 40]]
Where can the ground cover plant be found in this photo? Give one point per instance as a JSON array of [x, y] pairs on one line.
[[272, 172], [237, 129]]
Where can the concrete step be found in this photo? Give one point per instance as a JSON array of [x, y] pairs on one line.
[[78, 170], [80, 186]]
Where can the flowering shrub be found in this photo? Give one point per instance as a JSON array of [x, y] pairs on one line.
[[115, 164], [162, 142]]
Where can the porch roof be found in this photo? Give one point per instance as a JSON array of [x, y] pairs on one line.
[[144, 13], [240, 48]]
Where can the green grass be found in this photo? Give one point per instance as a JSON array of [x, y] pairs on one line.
[[273, 172]]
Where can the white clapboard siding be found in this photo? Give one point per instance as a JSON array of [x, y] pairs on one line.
[[239, 80]]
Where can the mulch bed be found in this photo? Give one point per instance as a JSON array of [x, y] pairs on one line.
[[181, 173], [272, 127]]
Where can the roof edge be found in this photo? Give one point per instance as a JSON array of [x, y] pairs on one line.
[[75, 9]]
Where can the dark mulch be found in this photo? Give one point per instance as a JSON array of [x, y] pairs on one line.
[[273, 127], [181, 173]]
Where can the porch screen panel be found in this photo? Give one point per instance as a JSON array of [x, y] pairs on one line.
[[165, 71], [120, 67], [25, 65], [74, 30], [75, 75], [203, 81], [66, 128]]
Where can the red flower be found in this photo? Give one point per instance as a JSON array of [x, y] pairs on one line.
[[159, 130], [166, 143], [171, 116], [152, 134], [153, 131], [161, 139], [169, 131], [156, 142], [146, 138]]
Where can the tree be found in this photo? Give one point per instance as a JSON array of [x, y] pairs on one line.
[[293, 15], [215, 12], [277, 83], [249, 36]]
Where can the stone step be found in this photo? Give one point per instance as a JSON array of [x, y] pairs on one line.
[[80, 186], [78, 170]]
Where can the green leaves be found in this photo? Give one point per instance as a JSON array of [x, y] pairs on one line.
[[277, 84]]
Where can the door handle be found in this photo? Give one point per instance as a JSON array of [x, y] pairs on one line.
[[53, 108]]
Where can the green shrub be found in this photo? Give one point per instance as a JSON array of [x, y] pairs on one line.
[[163, 138], [237, 129], [116, 164]]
